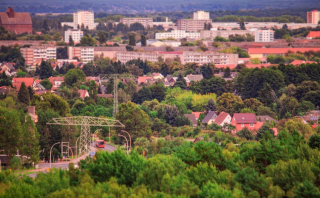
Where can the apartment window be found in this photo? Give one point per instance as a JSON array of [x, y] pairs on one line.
[[251, 125]]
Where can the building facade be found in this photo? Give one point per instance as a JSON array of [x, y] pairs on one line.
[[211, 34], [192, 25], [75, 34], [83, 17], [16, 22], [35, 53], [260, 25], [86, 54], [313, 17], [146, 22], [177, 34], [264, 36], [209, 57], [201, 15]]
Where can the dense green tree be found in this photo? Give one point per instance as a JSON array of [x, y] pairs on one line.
[[227, 102], [307, 189], [207, 71], [45, 69], [210, 106], [158, 91], [46, 84], [143, 40], [245, 133], [136, 120], [71, 42], [180, 82], [132, 39], [314, 142], [23, 95], [263, 130], [214, 190], [73, 76], [143, 94], [251, 181]]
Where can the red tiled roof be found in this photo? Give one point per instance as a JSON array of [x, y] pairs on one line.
[[221, 117], [279, 50], [249, 65], [313, 34], [197, 114], [299, 62], [16, 82], [82, 93], [231, 66], [244, 118], [143, 79]]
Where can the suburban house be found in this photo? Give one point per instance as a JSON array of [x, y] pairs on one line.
[[223, 118], [210, 118], [157, 76], [313, 35], [266, 119], [83, 93], [195, 78], [193, 119], [197, 114], [245, 120], [16, 82], [144, 79], [56, 82]]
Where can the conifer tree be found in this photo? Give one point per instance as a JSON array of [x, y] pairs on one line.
[[23, 94], [210, 106]]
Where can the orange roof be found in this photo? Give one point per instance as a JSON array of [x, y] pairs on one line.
[[275, 130], [83, 93], [197, 114], [279, 50], [143, 79], [221, 117], [249, 65], [27, 81], [313, 34], [231, 66], [299, 62]]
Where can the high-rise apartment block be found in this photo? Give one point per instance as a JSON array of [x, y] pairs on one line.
[[201, 15], [75, 34], [146, 22], [37, 53], [84, 18], [192, 25], [177, 34], [86, 54], [264, 36], [313, 17]]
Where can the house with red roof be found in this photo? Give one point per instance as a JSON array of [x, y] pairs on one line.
[[197, 114], [245, 120], [16, 82], [56, 81], [83, 93], [223, 118], [300, 62], [192, 118], [144, 79], [313, 35]]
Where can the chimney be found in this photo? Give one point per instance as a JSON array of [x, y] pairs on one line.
[[166, 19], [32, 110]]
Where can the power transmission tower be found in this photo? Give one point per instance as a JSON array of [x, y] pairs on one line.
[[85, 122], [115, 87]]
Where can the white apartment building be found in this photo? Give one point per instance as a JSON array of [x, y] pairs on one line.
[[124, 57], [75, 34], [177, 34], [211, 34], [209, 57], [146, 22], [264, 36], [192, 25], [83, 17], [86, 54], [37, 53], [201, 15]]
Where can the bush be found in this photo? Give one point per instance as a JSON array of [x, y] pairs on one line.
[[15, 163]]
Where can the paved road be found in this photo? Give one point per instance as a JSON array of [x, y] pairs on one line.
[[64, 165]]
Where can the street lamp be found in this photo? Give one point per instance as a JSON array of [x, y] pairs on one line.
[[77, 146], [51, 150], [126, 140], [128, 135]]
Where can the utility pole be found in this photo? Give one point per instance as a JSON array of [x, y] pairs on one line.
[[115, 87]]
